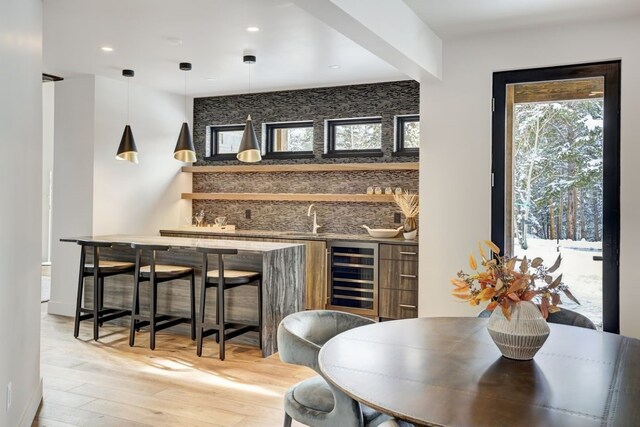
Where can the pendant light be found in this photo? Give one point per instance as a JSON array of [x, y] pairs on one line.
[[249, 150], [127, 149], [185, 152]]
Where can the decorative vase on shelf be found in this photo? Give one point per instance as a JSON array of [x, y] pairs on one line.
[[523, 335], [410, 229]]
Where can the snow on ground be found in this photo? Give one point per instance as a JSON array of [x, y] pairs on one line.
[[580, 272]]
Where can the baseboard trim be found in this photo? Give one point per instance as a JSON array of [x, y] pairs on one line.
[[61, 308], [30, 412]]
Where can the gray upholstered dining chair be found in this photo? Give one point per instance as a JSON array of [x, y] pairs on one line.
[[315, 401], [562, 317]]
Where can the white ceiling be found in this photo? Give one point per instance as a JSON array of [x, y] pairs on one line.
[[452, 19], [293, 49]]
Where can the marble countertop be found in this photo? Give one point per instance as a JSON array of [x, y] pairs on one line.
[[289, 235], [187, 242]]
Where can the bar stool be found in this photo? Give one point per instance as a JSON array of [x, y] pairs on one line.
[[224, 280], [155, 274], [99, 269]]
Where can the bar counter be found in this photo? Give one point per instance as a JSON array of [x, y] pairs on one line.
[[282, 266]]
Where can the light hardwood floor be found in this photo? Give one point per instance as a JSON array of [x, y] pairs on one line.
[[110, 384]]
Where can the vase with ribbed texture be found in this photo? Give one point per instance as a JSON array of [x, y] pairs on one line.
[[521, 337]]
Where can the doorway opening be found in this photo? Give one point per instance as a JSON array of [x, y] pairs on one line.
[[556, 177]]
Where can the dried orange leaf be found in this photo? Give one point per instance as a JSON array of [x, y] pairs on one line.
[[486, 294], [548, 279], [511, 264], [544, 307], [513, 297], [555, 299], [524, 265], [499, 284], [459, 283], [492, 305], [495, 249], [537, 262], [482, 252], [506, 309], [472, 262], [556, 264], [553, 309]]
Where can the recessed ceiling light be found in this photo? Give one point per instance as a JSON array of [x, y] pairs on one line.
[[334, 67], [174, 41], [253, 29], [106, 49]]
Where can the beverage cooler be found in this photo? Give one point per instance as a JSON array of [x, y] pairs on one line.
[[353, 277]]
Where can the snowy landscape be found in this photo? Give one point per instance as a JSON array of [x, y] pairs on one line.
[[579, 271]]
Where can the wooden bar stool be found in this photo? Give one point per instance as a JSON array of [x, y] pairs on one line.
[[155, 274], [99, 269], [224, 280]]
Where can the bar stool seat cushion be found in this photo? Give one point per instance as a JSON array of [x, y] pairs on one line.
[[233, 277], [111, 265], [165, 270]]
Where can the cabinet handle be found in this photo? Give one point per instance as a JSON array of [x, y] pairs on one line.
[[408, 253], [407, 306], [409, 276]]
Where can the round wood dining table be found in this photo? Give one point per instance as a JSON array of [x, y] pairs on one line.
[[448, 372]]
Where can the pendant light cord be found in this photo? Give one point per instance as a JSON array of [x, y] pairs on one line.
[[128, 98], [185, 96]]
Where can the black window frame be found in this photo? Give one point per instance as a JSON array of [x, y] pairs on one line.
[[330, 129], [399, 148], [269, 131], [610, 70], [213, 141]]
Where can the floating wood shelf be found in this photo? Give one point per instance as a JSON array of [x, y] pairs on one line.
[[293, 197], [323, 167]]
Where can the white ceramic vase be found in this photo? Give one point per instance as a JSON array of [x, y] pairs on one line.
[[521, 337]]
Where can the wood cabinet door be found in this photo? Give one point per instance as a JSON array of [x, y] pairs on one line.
[[399, 275], [397, 304]]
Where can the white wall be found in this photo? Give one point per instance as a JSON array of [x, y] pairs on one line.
[[48, 93], [142, 198], [456, 150], [96, 194], [72, 213], [20, 190]]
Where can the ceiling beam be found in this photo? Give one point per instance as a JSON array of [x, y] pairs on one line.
[[389, 29]]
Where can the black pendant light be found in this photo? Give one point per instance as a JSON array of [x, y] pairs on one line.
[[249, 150], [185, 152], [127, 149]]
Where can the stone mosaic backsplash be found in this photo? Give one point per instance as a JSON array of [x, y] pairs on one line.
[[343, 218], [335, 217], [354, 182], [385, 100]]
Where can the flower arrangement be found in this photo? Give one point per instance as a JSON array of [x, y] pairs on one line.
[[409, 205], [503, 282]]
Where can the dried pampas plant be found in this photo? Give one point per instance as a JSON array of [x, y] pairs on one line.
[[409, 205]]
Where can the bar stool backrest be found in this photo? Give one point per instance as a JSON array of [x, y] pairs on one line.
[[205, 261], [153, 248], [96, 245]]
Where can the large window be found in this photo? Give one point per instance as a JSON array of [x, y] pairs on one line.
[[407, 135], [354, 137], [224, 141], [289, 140]]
